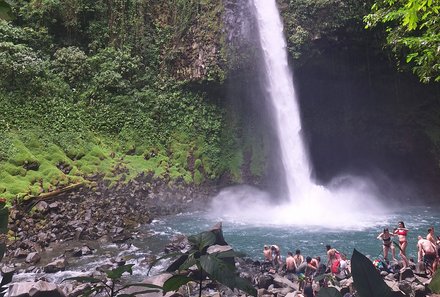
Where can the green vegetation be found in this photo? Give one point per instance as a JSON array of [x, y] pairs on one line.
[[98, 88], [412, 28], [311, 24], [199, 265]]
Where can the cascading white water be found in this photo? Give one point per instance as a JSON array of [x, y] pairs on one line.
[[348, 202], [282, 96]]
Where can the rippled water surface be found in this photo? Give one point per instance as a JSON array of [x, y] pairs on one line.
[[311, 241]]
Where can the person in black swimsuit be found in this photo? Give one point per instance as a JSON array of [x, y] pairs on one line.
[[387, 244]]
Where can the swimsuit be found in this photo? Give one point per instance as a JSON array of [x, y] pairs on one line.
[[401, 232], [387, 241], [429, 258]]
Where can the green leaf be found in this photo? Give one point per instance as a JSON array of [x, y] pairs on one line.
[[150, 286], [5, 11], [175, 282], [2, 250], [219, 270], [177, 264], [434, 285], [151, 289], [368, 281], [202, 240], [117, 272], [227, 254], [171, 255], [190, 261], [4, 215], [245, 285], [329, 292]]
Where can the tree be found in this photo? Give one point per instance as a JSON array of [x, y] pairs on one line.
[[413, 32]]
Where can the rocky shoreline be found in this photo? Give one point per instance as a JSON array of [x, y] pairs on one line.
[[91, 213]]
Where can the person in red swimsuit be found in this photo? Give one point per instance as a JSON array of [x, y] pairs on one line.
[[401, 231]]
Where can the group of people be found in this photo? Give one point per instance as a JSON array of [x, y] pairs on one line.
[[428, 252], [307, 267], [428, 248]]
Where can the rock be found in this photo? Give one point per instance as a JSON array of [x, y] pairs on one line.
[[55, 266], [21, 253], [41, 207], [35, 289], [78, 290], [405, 287], [218, 249], [158, 280], [45, 289], [405, 274], [264, 281], [419, 291], [282, 282], [33, 258]]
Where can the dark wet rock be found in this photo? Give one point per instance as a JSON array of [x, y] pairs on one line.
[[405, 274], [264, 281]]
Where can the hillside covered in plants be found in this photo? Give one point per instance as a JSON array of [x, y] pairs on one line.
[[112, 89]]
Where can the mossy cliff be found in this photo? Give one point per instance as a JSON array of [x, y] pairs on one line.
[[116, 89]]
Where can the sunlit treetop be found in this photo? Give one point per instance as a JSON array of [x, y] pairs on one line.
[[413, 32]]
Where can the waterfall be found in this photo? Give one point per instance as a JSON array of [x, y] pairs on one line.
[[281, 93], [346, 202]]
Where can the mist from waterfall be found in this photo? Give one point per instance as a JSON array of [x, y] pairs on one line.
[[347, 202]]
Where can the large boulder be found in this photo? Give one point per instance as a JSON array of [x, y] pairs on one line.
[[35, 289], [55, 266]]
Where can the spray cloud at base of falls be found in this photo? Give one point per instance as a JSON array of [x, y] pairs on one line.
[[352, 203]]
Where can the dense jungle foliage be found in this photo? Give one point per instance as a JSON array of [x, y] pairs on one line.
[[122, 87]]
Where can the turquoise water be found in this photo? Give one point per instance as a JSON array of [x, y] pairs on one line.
[[250, 239]]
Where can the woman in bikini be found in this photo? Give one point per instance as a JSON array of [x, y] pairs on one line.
[[401, 233], [385, 236]]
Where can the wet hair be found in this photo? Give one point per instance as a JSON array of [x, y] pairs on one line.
[[289, 253], [318, 258], [386, 230], [297, 252], [328, 247], [308, 259], [403, 224], [430, 229]]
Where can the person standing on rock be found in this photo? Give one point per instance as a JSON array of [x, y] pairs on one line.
[[432, 238], [333, 255], [276, 255], [428, 253], [387, 244], [401, 231], [267, 254]]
